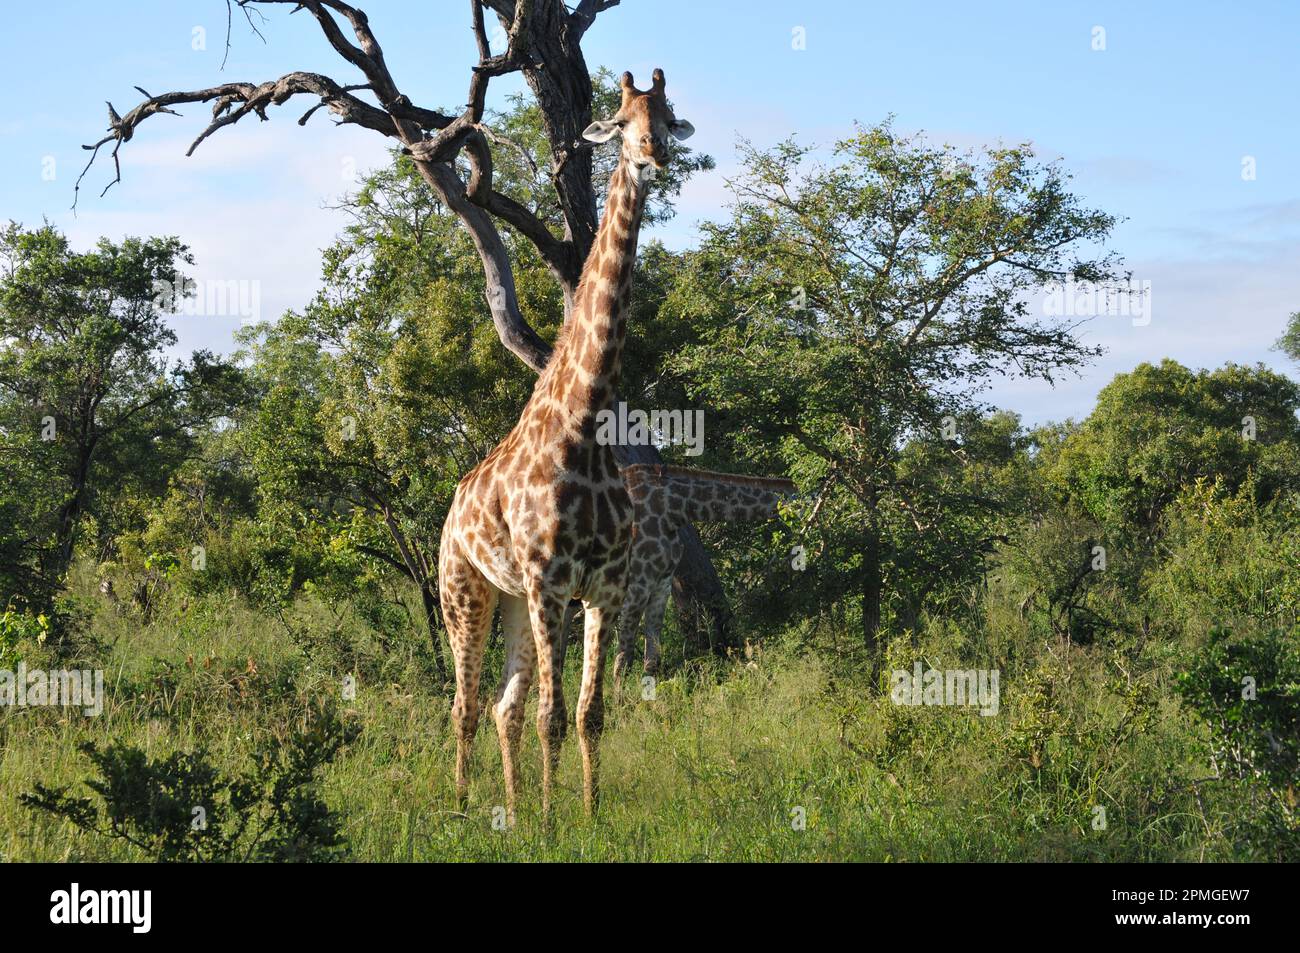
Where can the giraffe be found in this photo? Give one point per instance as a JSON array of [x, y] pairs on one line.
[[545, 516], [664, 498]]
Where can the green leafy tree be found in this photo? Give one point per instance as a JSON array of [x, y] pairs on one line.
[[1246, 691], [200, 533], [1094, 550], [1289, 342], [1227, 559], [1158, 429], [848, 308], [89, 399]]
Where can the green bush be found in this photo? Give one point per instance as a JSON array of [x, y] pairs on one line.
[[19, 629], [1247, 693], [182, 808]]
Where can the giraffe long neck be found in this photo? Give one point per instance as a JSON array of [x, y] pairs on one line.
[[583, 373], [682, 495]]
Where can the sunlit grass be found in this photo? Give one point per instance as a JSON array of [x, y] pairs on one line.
[[775, 758]]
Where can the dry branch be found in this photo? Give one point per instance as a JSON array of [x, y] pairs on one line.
[[543, 43]]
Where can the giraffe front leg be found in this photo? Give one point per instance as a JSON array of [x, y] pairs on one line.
[[467, 601], [654, 623], [521, 661], [591, 704], [629, 622], [547, 615]]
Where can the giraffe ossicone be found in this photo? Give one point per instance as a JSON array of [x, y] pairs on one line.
[[545, 517]]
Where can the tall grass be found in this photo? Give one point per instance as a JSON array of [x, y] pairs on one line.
[[790, 754]]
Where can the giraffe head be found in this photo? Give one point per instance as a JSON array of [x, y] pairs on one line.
[[646, 122]]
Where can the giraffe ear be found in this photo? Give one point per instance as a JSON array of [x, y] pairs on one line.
[[602, 130], [681, 129]]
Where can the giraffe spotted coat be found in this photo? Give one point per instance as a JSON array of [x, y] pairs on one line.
[[545, 517], [664, 499]]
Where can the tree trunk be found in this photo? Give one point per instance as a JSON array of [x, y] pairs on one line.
[[70, 516], [872, 557], [872, 587], [433, 620], [561, 83], [703, 612], [911, 615]]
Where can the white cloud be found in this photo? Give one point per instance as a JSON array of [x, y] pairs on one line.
[[1205, 312], [251, 204]]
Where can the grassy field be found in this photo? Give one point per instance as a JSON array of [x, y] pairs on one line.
[[780, 756]]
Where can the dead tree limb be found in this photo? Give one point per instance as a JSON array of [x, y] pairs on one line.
[[544, 45]]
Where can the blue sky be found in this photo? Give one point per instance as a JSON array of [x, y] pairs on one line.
[[1155, 128]]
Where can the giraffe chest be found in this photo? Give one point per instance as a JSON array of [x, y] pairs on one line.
[[546, 509], [574, 516], [573, 531]]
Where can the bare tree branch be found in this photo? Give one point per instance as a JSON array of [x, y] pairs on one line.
[[234, 101], [543, 43], [585, 15], [248, 15]]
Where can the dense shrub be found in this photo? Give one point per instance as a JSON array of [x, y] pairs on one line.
[[184, 808], [1246, 691]]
